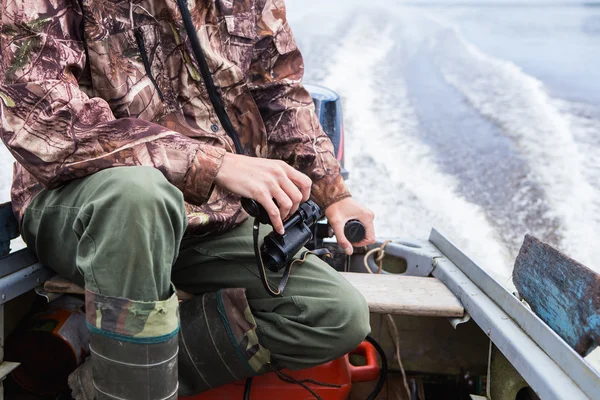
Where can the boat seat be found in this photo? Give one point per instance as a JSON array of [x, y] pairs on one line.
[[60, 285], [386, 294], [406, 295]]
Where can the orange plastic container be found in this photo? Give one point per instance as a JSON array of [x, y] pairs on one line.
[[49, 346], [337, 372]]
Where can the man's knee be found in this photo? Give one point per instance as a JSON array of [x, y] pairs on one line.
[[129, 233], [339, 324], [349, 319]]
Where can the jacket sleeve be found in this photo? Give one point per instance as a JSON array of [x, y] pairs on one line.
[[294, 133], [56, 131]]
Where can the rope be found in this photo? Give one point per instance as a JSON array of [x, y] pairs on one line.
[[392, 328], [381, 253]]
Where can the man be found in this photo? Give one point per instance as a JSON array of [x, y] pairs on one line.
[[136, 126]]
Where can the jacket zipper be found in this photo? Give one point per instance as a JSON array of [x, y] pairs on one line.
[[139, 37], [213, 94]]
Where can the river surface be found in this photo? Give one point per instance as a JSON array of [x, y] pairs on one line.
[[483, 121]]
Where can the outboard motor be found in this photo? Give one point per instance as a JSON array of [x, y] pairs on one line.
[[328, 107], [329, 110]]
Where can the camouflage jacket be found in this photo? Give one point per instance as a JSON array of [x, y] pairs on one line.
[[92, 84]]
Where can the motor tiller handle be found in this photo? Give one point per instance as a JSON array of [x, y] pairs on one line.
[[355, 231], [368, 372]]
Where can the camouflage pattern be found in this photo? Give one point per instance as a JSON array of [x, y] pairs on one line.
[[238, 318], [76, 97], [129, 320]]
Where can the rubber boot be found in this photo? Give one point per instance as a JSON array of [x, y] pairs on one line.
[[134, 371], [130, 371], [218, 342], [133, 350]]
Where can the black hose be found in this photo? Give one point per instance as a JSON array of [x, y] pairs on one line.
[[247, 388], [380, 382], [382, 373]]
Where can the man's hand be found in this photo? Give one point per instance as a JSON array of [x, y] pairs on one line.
[[263, 180], [345, 210]]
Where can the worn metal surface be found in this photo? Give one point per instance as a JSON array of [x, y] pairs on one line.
[[9, 228], [22, 281], [16, 261], [550, 366], [416, 254], [504, 380], [562, 292]]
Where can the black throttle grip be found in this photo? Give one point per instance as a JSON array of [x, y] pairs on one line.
[[355, 231]]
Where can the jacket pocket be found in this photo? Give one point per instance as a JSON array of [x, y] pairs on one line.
[[121, 75], [238, 32], [240, 19]]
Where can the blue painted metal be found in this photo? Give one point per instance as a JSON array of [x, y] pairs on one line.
[[22, 281], [9, 228], [16, 261], [328, 107], [481, 296], [544, 375], [562, 292]]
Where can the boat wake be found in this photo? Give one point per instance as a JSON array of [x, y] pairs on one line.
[[544, 134], [392, 171], [441, 134]]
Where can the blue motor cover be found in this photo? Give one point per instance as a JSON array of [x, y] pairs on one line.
[[328, 107]]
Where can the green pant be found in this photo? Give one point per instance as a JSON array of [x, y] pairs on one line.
[[120, 232]]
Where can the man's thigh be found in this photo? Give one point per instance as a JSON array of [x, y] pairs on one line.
[[117, 231], [318, 313]]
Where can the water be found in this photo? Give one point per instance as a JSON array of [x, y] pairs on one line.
[[482, 121]]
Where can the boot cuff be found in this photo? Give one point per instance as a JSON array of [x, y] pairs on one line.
[[241, 329], [143, 322]]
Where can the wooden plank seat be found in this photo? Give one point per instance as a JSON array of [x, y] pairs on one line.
[[386, 294], [58, 284], [406, 295]]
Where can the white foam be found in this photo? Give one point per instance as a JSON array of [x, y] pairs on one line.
[[402, 185], [520, 104]]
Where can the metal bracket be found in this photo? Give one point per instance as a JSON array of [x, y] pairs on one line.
[[455, 322], [418, 256]]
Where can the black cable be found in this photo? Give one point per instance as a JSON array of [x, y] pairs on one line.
[[286, 378], [247, 388], [384, 369], [211, 88], [289, 379]]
